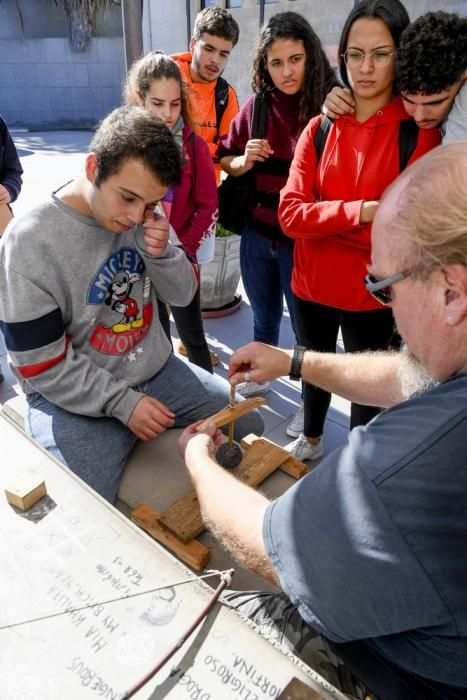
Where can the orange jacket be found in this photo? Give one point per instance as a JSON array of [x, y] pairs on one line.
[[203, 107]]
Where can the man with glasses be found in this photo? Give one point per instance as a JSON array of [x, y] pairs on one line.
[[369, 548], [431, 71]]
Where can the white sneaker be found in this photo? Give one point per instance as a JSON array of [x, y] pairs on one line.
[[302, 449], [247, 389], [295, 427]]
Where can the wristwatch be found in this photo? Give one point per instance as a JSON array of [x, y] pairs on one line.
[[297, 359]]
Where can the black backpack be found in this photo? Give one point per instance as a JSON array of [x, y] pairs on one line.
[[221, 97], [408, 136]]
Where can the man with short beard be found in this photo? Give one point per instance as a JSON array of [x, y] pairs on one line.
[[215, 34], [369, 548]]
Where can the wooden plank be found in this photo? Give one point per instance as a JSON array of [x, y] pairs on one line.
[[228, 414], [183, 517], [192, 553], [291, 465]]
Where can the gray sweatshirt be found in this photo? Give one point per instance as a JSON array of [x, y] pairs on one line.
[[456, 125], [78, 309]]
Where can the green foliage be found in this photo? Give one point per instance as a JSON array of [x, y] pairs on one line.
[[222, 232]]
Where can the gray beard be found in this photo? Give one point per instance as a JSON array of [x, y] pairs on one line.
[[415, 380]]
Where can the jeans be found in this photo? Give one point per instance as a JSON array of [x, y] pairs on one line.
[[96, 449], [266, 272]]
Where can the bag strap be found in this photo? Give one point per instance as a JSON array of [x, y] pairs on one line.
[[191, 138], [259, 115], [408, 137], [321, 136], [221, 99]]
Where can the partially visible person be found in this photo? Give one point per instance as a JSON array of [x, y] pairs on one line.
[[10, 175], [80, 276], [328, 206], [10, 181], [368, 548], [292, 70], [155, 82], [215, 33], [431, 71]]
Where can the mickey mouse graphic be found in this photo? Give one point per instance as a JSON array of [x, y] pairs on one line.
[[118, 298]]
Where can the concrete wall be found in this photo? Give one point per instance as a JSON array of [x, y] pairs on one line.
[[44, 84], [327, 18]]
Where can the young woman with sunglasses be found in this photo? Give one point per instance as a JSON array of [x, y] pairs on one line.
[[155, 82], [327, 207], [290, 66]]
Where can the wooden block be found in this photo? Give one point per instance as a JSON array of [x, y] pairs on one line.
[[228, 414], [291, 465], [192, 553], [26, 490], [297, 690], [183, 517]]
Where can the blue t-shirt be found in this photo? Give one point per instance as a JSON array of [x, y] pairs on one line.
[[372, 545]]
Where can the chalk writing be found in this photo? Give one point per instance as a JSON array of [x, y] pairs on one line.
[[245, 688], [190, 686], [92, 680]]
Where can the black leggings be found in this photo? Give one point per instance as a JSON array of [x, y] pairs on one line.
[[318, 328], [189, 324]]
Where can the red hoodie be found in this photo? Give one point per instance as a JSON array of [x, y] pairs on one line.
[[320, 205], [195, 207]]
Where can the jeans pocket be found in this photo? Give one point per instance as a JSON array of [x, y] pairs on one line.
[[35, 399]]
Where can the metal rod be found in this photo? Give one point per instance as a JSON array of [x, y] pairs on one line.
[[231, 424]]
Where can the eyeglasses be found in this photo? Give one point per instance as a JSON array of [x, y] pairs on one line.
[[379, 57], [381, 290]]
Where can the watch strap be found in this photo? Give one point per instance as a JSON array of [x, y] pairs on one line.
[[297, 359]]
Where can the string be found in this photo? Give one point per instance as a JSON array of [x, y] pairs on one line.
[[209, 574]]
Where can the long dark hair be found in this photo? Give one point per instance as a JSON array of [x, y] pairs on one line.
[[155, 65], [319, 76], [391, 12]]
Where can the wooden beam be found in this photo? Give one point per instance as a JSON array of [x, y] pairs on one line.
[[192, 553], [228, 414], [291, 465]]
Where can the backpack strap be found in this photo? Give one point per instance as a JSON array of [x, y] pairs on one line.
[[259, 115], [191, 139], [408, 137], [321, 136], [221, 98]]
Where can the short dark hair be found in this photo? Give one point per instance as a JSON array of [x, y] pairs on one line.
[[432, 54], [135, 133], [391, 12], [218, 22], [319, 76]]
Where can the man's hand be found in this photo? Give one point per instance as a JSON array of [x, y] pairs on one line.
[[150, 418], [261, 362], [4, 195], [339, 101], [256, 150], [197, 447], [156, 232], [368, 211]]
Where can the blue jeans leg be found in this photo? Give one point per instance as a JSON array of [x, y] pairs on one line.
[[266, 272], [96, 449]]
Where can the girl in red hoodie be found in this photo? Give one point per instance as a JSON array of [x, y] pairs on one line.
[[327, 207], [155, 82]]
